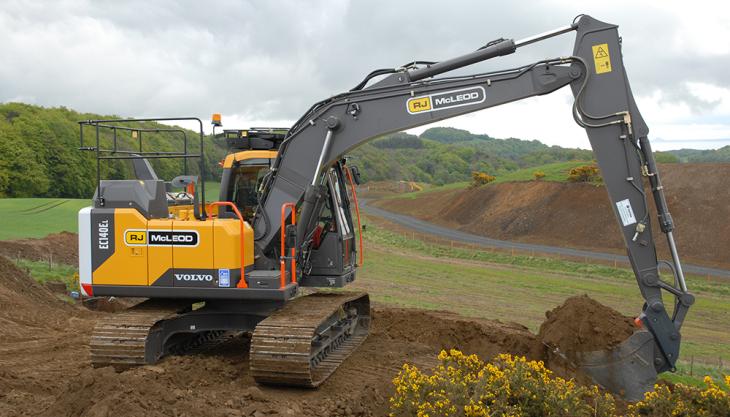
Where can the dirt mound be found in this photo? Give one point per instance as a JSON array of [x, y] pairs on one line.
[[582, 324], [59, 247], [217, 383], [42, 340], [542, 211], [24, 302], [447, 330]]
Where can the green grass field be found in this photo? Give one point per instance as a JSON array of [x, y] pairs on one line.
[[37, 217]]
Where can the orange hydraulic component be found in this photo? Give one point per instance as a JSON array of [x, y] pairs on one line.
[[357, 210], [242, 281], [282, 260]]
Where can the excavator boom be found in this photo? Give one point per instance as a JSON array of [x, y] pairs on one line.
[[604, 105]]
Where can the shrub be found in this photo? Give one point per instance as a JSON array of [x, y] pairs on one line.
[[584, 173], [463, 385], [481, 178], [538, 175], [684, 400]]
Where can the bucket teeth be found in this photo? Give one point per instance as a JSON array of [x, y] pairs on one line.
[[303, 343]]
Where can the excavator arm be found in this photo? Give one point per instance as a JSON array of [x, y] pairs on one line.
[[411, 96]]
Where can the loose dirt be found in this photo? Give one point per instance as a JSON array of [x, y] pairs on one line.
[[580, 215], [45, 370], [59, 247], [582, 324]]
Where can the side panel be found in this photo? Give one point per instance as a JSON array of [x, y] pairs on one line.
[[227, 250], [118, 263], [85, 249], [188, 260], [159, 257]]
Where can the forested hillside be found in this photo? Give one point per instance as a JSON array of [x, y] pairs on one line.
[[39, 154], [444, 155], [703, 155]]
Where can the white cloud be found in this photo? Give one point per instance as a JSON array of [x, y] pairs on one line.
[[267, 62]]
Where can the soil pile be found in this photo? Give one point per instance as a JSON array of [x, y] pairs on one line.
[[447, 330], [24, 303], [542, 211], [42, 339], [217, 383], [59, 247], [582, 324]]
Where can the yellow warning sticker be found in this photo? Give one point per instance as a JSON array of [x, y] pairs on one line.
[[601, 58]]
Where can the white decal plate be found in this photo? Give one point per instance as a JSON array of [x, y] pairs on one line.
[[626, 212]]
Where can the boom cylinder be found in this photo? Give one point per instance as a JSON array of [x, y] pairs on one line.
[[504, 47]]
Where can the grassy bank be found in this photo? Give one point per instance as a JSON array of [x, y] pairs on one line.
[[555, 172]]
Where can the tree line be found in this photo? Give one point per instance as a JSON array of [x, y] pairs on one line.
[[39, 154]]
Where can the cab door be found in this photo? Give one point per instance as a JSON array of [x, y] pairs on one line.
[[334, 249]]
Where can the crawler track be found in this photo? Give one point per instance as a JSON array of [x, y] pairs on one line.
[[120, 340], [303, 343]]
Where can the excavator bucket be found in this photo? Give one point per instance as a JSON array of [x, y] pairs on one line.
[[627, 369]]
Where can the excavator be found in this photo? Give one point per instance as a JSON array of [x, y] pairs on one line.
[[284, 219]]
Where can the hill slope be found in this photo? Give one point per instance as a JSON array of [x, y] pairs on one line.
[[580, 216], [703, 155], [445, 155], [39, 154]]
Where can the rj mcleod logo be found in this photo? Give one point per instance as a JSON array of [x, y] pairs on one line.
[[446, 100], [161, 238]]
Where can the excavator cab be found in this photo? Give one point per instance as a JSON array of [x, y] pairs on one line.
[[253, 152]]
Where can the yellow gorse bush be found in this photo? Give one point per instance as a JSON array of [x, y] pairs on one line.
[[481, 178], [463, 385], [685, 401]]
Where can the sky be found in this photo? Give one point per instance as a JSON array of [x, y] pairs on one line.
[[263, 63]]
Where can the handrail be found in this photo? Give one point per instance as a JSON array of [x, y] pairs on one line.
[[282, 258], [106, 124], [357, 211], [242, 281]]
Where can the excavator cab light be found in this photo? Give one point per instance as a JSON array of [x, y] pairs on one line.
[[216, 120]]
